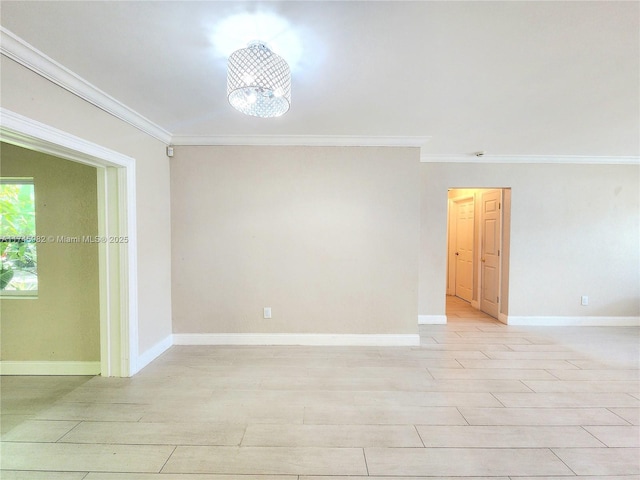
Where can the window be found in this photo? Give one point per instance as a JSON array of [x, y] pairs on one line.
[[18, 240]]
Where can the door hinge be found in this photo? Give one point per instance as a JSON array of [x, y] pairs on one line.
[[498, 252], [497, 299], [499, 205]]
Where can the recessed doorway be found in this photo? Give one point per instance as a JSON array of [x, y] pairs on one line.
[[117, 261], [478, 248]]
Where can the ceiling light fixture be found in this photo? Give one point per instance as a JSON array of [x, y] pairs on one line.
[[258, 81]]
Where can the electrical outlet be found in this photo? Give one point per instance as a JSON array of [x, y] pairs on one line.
[[267, 312], [584, 300]]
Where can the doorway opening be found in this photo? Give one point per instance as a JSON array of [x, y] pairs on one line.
[[478, 232], [116, 219]]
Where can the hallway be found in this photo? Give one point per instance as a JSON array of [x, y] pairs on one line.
[[458, 310]]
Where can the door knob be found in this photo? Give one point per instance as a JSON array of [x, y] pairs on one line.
[[457, 253], [482, 259]]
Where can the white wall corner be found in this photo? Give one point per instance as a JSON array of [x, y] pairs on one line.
[[432, 319], [154, 352], [8, 367], [310, 339], [573, 321]]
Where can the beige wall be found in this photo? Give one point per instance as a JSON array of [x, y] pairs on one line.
[[326, 237], [63, 322], [28, 94], [574, 231]]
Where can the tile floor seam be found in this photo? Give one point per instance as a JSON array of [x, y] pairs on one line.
[[67, 433], [551, 373], [577, 366], [565, 463], [244, 434], [168, 458], [584, 427], [631, 395], [497, 399], [366, 466], [488, 357], [430, 374], [420, 436], [462, 415], [524, 382], [619, 416], [527, 386]]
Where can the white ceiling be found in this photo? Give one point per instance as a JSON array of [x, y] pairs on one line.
[[521, 78]]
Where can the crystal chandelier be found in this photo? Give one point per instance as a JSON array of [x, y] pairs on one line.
[[258, 81]]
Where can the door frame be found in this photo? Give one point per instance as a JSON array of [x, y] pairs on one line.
[[116, 218]]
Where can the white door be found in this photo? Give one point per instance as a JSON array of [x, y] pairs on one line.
[[464, 248], [490, 246]]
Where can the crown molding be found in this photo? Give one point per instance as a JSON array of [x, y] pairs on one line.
[[17, 49], [300, 140], [516, 159]]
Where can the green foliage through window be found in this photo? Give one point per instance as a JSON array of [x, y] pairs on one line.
[[18, 271]]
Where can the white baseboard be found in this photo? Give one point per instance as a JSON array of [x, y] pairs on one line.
[[312, 339], [8, 367], [432, 319], [574, 321], [154, 352]]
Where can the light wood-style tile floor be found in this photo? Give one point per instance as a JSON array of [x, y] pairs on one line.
[[478, 399], [459, 310]]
